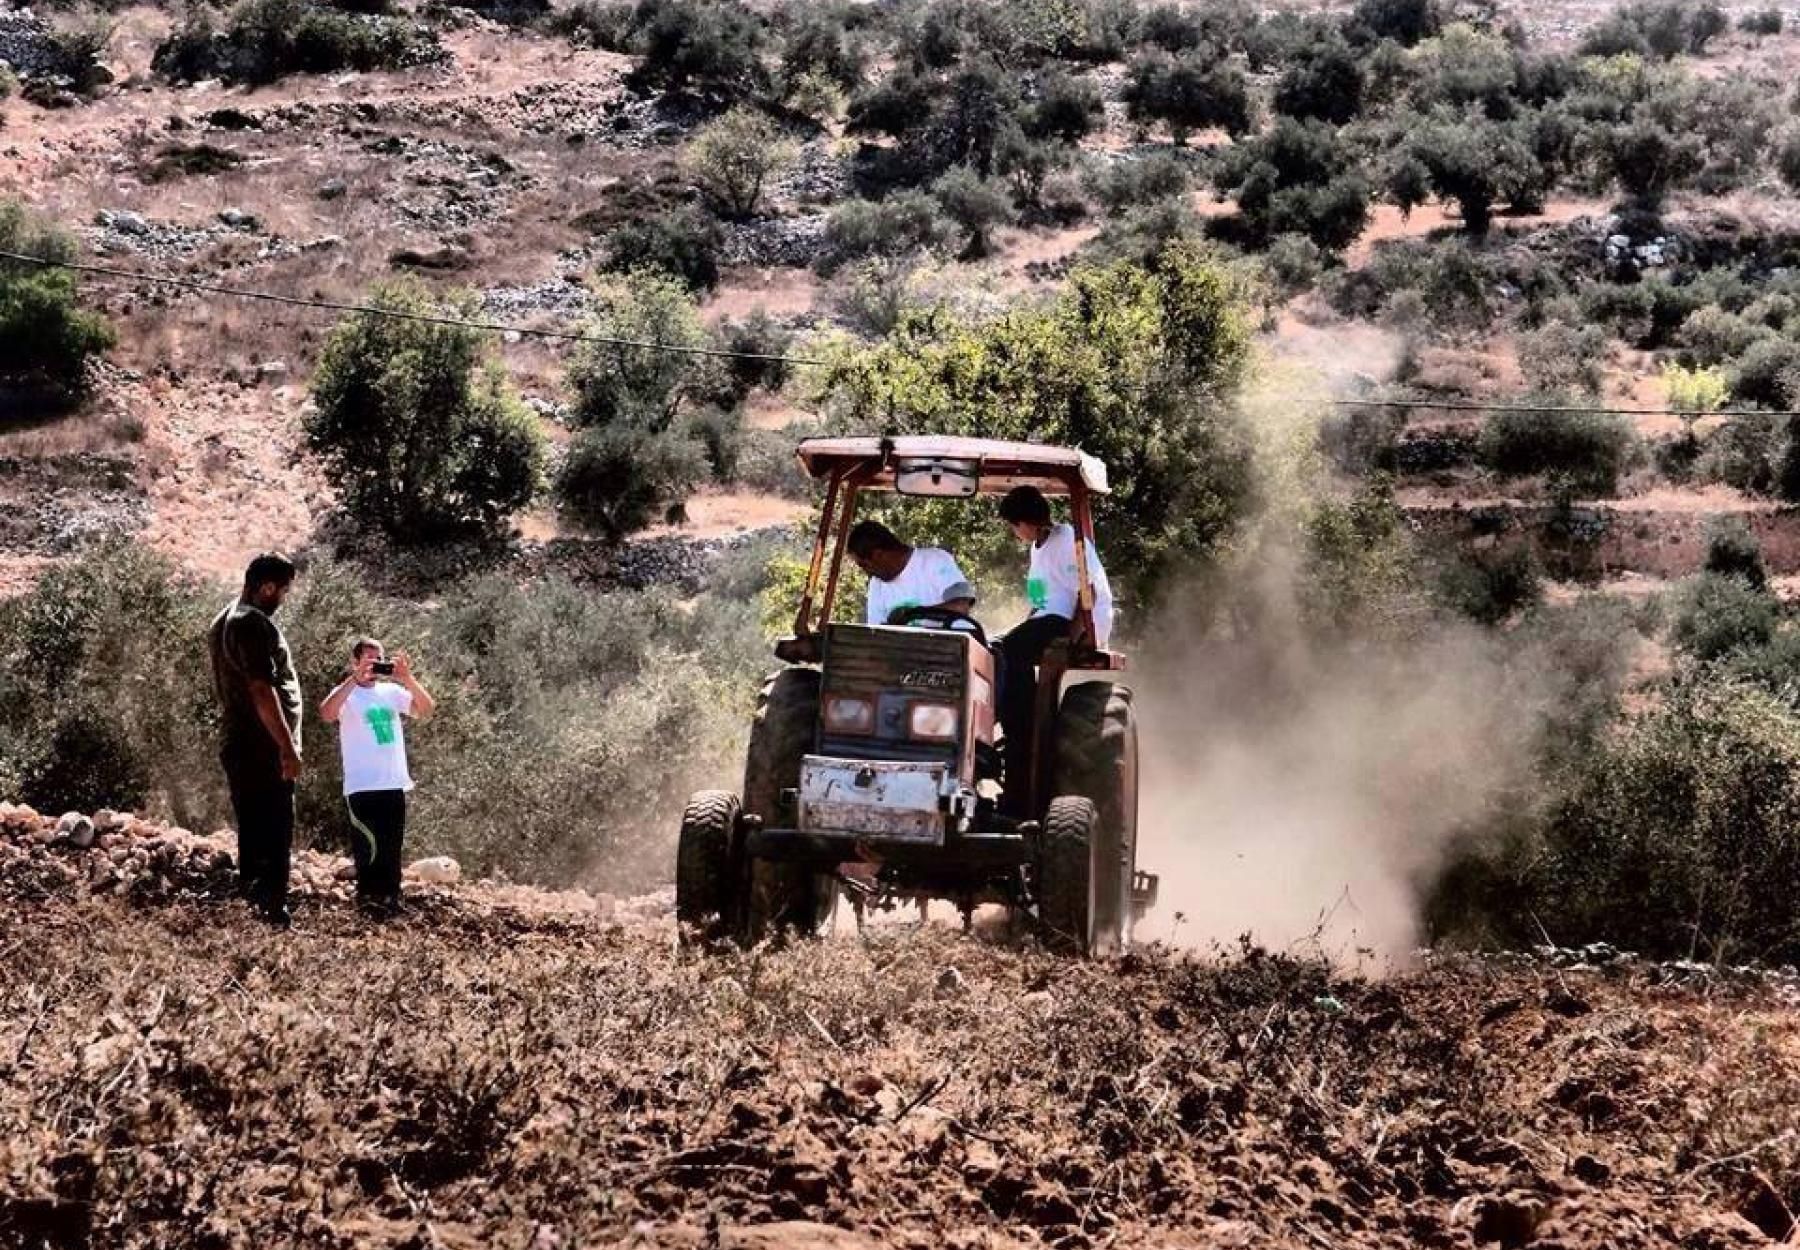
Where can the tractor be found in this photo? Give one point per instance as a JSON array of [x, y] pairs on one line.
[[874, 772]]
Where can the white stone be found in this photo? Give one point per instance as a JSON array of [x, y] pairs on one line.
[[437, 870]]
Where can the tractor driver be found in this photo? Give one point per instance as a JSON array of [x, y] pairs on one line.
[[1053, 588], [903, 577]]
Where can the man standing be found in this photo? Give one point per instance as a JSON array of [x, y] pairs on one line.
[[1053, 587], [902, 577], [259, 697], [367, 707]]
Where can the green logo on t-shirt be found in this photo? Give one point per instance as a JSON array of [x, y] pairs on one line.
[[1038, 591], [381, 724]]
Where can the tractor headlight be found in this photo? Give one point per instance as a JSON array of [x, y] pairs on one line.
[[849, 716], [938, 721]]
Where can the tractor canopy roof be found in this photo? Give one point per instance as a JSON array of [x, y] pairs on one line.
[[941, 465]]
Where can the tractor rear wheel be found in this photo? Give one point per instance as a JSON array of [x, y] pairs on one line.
[[1097, 758], [1068, 855], [782, 897], [708, 893]]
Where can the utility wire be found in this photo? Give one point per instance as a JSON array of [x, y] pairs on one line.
[[579, 336], [188, 284], [1470, 405]]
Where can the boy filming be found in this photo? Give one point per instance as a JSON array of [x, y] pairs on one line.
[[368, 707]]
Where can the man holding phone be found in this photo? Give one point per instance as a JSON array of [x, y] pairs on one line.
[[367, 707]]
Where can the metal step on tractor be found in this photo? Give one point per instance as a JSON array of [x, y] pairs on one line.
[[874, 771]]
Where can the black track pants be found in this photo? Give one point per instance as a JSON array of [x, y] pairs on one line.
[[377, 829]]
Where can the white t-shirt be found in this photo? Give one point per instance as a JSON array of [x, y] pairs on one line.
[[372, 738], [1054, 589], [929, 578]]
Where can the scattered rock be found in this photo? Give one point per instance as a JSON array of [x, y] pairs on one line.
[[1510, 1222], [77, 829], [332, 189], [240, 219]]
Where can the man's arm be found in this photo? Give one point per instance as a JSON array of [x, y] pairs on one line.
[[423, 705], [268, 711]]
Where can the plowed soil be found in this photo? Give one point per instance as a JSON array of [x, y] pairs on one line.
[[506, 1069]]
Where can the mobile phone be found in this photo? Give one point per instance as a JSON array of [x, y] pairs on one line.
[[382, 668]]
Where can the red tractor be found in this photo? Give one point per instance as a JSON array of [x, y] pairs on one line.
[[873, 769]]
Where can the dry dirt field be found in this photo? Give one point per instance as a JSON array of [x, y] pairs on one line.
[[508, 1069]]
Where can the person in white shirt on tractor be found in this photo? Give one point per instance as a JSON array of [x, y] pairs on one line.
[[903, 578], [1053, 587]]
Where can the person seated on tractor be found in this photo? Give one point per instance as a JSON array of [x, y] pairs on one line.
[[1054, 590], [903, 579]]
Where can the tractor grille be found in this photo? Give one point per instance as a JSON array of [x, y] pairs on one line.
[[893, 669]]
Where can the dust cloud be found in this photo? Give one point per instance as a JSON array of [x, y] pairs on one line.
[[1303, 795]]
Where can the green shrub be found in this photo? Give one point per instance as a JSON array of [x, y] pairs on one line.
[[1564, 357], [607, 24], [420, 435], [1732, 551], [1717, 613], [975, 204], [1127, 183], [1692, 805], [1694, 390], [1325, 83], [618, 384], [1648, 161], [1769, 21], [939, 118], [733, 158], [1296, 178], [1745, 453], [264, 40], [756, 335], [710, 48], [1494, 587], [1066, 108], [1406, 22], [684, 245], [619, 478], [1478, 163], [1787, 160], [1295, 263], [818, 46], [1766, 373], [1188, 91], [1590, 449], [901, 225], [105, 697], [46, 340]]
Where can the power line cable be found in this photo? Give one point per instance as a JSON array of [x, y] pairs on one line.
[[296, 301], [1470, 405], [581, 336]]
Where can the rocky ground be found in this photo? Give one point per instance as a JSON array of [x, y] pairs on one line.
[[506, 1068]]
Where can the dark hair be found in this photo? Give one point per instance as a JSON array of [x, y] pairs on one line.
[[1025, 504], [362, 645], [269, 567], [868, 537]]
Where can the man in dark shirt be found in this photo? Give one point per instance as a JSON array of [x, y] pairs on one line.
[[259, 696]]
